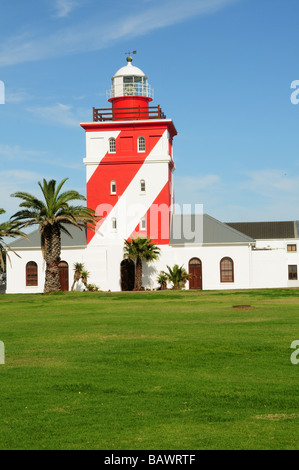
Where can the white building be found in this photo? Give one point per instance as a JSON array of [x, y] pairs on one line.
[[129, 176]]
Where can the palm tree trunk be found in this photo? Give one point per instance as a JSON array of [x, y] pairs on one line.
[[77, 277], [138, 274], [52, 247]]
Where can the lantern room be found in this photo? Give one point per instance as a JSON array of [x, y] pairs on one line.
[[130, 81], [130, 95]]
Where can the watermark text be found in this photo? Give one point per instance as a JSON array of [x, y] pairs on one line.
[[2, 92], [156, 221], [295, 354], [2, 353], [295, 94]]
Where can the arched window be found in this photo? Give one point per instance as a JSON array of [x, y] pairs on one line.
[[142, 186], [141, 144], [31, 274], [226, 270], [113, 187], [112, 145]]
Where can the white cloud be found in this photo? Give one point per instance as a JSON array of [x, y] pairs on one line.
[[18, 176], [15, 153], [262, 195], [197, 184], [271, 182], [87, 35], [61, 114], [13, 181], [16, 96], [64, 7], [201, 189]]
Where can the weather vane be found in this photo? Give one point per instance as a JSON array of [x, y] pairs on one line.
[[129, 53]]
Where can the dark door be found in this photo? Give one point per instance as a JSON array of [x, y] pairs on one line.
[[127, 274], [195, 268], [64, 275]]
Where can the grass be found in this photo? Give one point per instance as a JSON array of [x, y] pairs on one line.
[[152, 370]]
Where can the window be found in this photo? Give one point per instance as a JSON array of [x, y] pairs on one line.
[[31, 274], [112, 145], [292, 247], [113, 187], [143, 224], [129, 88], [141, 144], [114, 223], [226, 270], [142, 186], [293, 272]]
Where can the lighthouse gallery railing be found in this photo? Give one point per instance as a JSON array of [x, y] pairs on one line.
[[122, 114]]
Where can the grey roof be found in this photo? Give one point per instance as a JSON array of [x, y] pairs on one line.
[[202, 228], [185, 229], [78, 239], [268, 230]]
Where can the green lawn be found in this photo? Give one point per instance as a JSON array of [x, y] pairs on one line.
[[153, 370]]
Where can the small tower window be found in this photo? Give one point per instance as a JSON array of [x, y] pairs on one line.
[[142, 186], [141, 144], [143, 224], [113, 187], [112, 145], [114, 223]]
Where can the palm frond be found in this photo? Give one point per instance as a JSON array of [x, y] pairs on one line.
[[141, 247], [9, 229]]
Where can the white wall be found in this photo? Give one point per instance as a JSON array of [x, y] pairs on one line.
[[252, 268], [104, 265], [270, 263], [16, 272], [210, 257]]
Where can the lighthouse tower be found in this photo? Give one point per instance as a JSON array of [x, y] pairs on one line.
[[129, 165]]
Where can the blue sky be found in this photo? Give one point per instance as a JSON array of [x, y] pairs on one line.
[[221, 69]]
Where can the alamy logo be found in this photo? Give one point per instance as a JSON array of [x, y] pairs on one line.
[[295, 94], [294, 358], [2, 353], [2, 92]]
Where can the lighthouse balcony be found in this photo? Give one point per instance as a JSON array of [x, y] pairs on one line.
[[130, 89], [129, 113]]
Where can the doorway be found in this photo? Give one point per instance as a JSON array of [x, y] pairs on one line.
[[195, 269], [127, 275], [64, 275]]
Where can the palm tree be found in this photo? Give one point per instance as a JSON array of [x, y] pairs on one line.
[[52, 215], [178, 276], [140, 249], [78, 268], [84, 276], [11, 230], [162, 280]]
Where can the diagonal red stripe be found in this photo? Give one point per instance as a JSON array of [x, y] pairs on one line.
[[157, 219], [121, 167]]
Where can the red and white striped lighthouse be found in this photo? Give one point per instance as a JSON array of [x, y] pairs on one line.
[[129, 163]]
